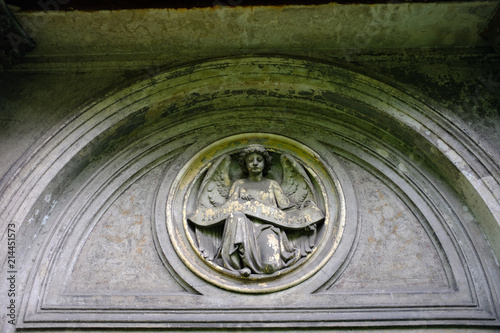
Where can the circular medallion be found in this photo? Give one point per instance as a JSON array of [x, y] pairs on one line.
[[253, 213]]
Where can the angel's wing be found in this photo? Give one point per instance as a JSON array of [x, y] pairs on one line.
[[215, 187], [296, 182], [214, 191], [298, 187]]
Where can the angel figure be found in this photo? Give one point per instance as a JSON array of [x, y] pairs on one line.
[[257, 213]]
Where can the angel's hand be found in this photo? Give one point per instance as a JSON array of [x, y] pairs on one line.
[[247, 197]]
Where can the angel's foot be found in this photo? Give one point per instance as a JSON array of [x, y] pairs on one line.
[[245, 272]]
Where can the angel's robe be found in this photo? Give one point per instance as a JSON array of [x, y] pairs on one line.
[[250, 242]]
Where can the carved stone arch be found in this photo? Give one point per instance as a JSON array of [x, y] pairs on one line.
[[418, 198]]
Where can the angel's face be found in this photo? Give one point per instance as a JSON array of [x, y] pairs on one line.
[[255, 163]]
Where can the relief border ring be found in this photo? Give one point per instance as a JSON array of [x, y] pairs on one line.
[[187, 169]]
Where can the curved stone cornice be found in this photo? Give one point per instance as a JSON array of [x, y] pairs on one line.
[[432, 164]]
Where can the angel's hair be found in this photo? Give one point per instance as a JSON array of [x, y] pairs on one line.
[[259, 150]]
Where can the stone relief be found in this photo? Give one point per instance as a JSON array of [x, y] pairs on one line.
[[256, 225]]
